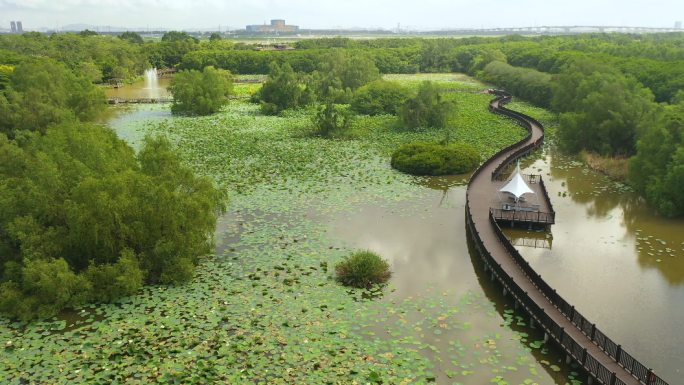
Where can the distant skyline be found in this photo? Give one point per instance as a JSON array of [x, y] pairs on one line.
[[416, 15]]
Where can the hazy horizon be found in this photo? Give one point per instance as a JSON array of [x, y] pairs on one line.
[[308, 14]]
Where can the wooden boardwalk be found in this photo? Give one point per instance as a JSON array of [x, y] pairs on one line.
[[583, 342]]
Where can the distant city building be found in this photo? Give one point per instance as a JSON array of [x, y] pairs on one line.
[[13, 25], [20, 29], [678, 25], [276, 25]]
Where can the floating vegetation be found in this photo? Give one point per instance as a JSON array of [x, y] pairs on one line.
[[265, 307]]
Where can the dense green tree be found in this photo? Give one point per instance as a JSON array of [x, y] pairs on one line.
[[330, 120], [89, 71], [132, 37], [88, 33], [526, 83], [437, 56], [200, 93], [658, 169], [283, 90], [5, 73], [341, 70], [435, 159], [45, 92], [606, 112], [173, 36], [106, 52], [380, 97], [427, 109], [486, 56], [82, 218], [215, 37]]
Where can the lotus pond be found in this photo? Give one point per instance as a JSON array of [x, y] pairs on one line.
[[264, 307]]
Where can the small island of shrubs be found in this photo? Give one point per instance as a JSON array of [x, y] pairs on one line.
[[363, 269], [435, 159]]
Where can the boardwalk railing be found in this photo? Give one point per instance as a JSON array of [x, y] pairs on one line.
[[539, 314], [531, 178], [524, 216]]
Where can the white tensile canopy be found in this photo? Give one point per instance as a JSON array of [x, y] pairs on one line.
[[516, 185]]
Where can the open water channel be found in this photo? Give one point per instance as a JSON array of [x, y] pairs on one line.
[[609, 254], [141, 90]]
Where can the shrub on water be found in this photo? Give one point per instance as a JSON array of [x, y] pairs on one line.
[[363, 269], [435, 159]]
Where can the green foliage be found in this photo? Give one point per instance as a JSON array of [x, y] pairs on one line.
[[215, 37], [5, 73], [678, 98], [45, 287], [330, 119], [363, 269], [379, 97], [526, 83], [487, 55], [283, 90], [112, 56], [173, 36], [45, 92], [658, 168], [89, 71], [341, 70], [88, 33], [132, 37], [200, 93], [427, 109], [78, 203], [435, 159], [606, 112]]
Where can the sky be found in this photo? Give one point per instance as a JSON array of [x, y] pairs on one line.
[[324, 14]]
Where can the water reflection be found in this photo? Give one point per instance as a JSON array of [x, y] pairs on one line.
[[635, 295], [427, 246], [141, 90]]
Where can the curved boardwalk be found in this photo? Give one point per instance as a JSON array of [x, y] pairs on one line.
[[584, 343]]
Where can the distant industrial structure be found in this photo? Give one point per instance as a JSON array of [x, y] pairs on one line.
[[16, 27], [274, 47], [277, 25], [678, 25]]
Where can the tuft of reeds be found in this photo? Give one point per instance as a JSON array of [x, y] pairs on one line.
[[615, 167]]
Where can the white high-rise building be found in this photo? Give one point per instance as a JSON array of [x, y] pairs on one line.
[[678, 25]]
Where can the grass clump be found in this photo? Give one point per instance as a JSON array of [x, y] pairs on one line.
[[435, 159], [363, 269], [615, 167]]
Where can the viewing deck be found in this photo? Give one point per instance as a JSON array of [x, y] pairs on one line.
[[602, 358]]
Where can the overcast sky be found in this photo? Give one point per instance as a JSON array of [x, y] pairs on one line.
[[417, 14]]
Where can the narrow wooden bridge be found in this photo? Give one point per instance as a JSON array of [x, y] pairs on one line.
[[604, 360]]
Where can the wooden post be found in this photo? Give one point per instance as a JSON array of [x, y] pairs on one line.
[[593, 332], [613, 377], [584, 356], [649, 376], [572, 314]]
